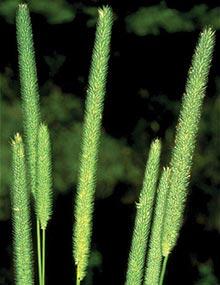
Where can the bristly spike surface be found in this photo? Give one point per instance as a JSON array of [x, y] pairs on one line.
[[21, 217], [91, 136], [186, 133], [44, 182], [154, 256], [143, 218], [29, 88]]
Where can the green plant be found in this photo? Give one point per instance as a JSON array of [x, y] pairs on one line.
[[151, 19], [154, 258], [143, 217], [160, 207], [207, 276], [59, 11], [90, 141], [187, 129], [43, 191], [20, 198], [29, 89], [36, 135]]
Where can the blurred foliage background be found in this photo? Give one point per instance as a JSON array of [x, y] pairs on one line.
[[152, 45]]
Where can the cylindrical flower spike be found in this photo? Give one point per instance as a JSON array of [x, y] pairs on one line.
[[187, 130], [29, 88], [143, 219], [21, 217], [154, 257], [90, 144], [43, 195]]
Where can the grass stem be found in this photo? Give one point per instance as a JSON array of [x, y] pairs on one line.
[[39, 251], [43, 255], [77, 277], [163, 269]]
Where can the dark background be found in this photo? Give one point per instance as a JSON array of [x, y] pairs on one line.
[[147, 75]]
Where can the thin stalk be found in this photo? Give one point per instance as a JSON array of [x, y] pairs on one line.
[[163, 269], [77, 281], [43, 255], [77, 278], [39, 251]]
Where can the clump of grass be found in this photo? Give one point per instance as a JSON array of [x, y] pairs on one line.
[[185, 141], [163, 239], [157, 224], [37, 145]]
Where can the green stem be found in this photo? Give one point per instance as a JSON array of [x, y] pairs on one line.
[[77, 277], [39, 251], [163, 269], [43, 256]]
